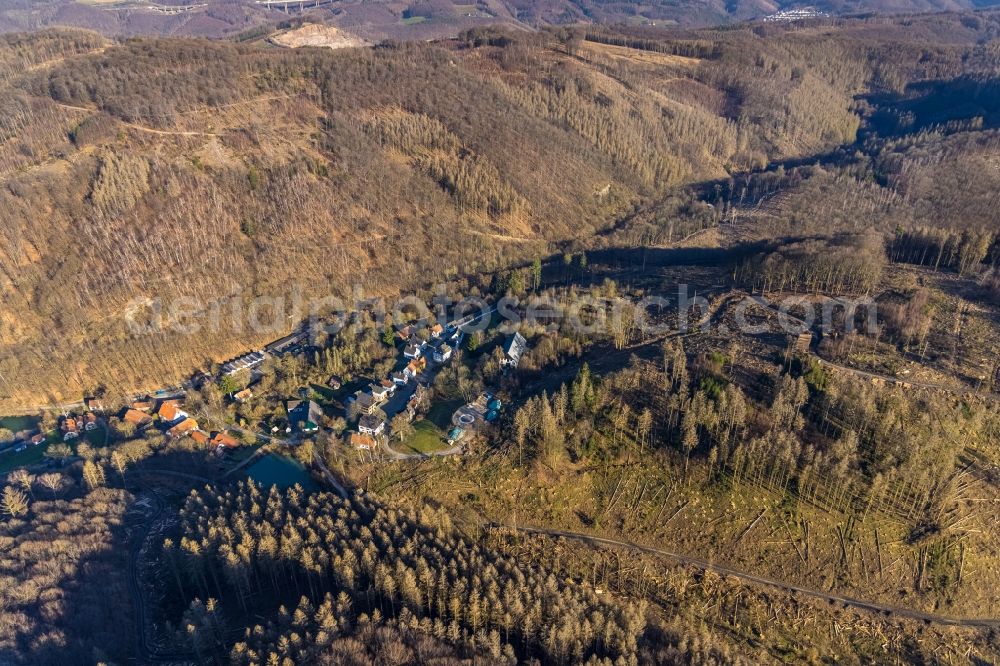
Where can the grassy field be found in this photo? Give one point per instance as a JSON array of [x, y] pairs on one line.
[[30, 456], [325, 392], [426, 438]]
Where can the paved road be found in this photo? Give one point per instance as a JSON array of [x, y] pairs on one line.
[[846, 602]]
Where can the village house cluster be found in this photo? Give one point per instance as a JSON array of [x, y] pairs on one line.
[[169, 414], [367, 404]]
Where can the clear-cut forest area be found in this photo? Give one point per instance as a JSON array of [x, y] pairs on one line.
[[730, 395]]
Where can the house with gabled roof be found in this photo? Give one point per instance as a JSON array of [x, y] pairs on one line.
[[143, 405], [225, 440], [360, 440], [170, 411], [515, 346], [406, 332], [382, 390], [371, 425], [304, 415], [442, 353], [136, 417], [415, 367], [70, 428], [414, 348], [183, 428]]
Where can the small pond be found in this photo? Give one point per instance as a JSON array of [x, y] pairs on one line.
[[281, 471]]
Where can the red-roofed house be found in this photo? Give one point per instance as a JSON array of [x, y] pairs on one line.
[[142, 405], [170, 412], [225, 439], [360, 440], [184, 427], [136, 418]]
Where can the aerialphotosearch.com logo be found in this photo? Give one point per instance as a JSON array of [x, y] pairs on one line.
[[585, 313]]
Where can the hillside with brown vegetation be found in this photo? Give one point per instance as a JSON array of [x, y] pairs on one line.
[[808, 474], [215, 172]]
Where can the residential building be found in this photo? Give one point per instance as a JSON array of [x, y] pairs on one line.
[[94, 404], [362, 441], [367, 403], [515, 346], [199, 437], [224, 440], [400, 377], [37, 439], [136, 417], [371, 425], [442, 353], [70, 429], [415, 367], [143, 405], [290, 344], [183, 428], [304, 415], [437, 330], [244, 395], [90, 421], [414, 348], [170, 411], [245, 362]]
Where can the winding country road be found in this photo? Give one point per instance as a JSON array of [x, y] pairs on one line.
[[846, 602]]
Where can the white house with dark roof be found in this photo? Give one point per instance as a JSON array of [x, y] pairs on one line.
[[442, 353], [515, 346], [371, 425], [414, 348]]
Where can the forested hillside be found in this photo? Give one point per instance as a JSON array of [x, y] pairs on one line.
[[216, 172], [361, 567], [745, 410]]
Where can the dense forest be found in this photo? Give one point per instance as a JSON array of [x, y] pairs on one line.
[[363, 568]]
